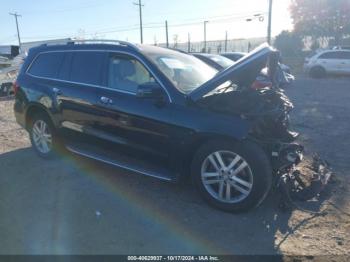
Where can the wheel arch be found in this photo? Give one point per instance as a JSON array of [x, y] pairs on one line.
[[317, 67], [33, 109], [197, 143]]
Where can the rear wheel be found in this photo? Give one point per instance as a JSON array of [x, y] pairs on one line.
[[43, 136], [317, 72], [232, 177]]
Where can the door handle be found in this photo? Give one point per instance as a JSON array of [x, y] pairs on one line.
[[106, 100], [56, 91]]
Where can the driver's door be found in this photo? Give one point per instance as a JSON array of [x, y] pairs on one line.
[[137, 126]]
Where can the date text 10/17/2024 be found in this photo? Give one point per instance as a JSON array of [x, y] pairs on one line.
[[173, 258]]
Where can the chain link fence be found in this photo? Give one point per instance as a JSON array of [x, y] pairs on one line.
[[219, 46]]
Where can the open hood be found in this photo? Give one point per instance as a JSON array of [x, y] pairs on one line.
[[242, 73]]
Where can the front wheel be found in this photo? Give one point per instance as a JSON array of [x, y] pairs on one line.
[[317, 72], [232, 176]]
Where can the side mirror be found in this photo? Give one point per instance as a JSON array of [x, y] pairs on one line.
[[149, 90]]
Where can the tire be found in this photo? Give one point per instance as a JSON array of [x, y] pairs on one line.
[[42, 120], [318, 72], [256, 173]]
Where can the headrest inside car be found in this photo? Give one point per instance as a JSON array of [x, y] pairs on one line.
[[126, 68]]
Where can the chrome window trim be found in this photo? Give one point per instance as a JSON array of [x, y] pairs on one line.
[[83, 84], [92, 85]]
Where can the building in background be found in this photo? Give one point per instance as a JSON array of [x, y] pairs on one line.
[[9, 51]]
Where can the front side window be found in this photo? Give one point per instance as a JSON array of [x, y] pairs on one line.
[[86, 67], [47, 64], [127, 74]]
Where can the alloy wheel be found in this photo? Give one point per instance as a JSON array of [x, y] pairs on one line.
[[42, 137], [227, 176]]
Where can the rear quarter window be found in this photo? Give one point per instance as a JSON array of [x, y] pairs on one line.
[[47, 65]]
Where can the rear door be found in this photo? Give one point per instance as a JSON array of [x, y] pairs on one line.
[[330, 61], [344, 60], [76, 91]]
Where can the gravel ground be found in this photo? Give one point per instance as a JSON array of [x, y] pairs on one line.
[[76, 206]]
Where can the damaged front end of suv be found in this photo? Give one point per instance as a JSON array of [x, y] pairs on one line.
[[266, 109]]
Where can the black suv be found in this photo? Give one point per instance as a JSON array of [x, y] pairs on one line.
[[160, 113]]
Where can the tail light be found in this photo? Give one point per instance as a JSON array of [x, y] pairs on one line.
[[15, 87]]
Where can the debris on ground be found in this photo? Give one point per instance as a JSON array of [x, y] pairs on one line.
[[295, 185]]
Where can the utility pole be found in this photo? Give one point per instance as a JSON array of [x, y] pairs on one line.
[[189, 43], [226, 42], [140, 12], [205, 36], [19, 38], [269, 23], [166, 34]]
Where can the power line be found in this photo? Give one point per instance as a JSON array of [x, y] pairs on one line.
[[154, 25]]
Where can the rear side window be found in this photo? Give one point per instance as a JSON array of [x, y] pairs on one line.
[[86, 67], [47, 64], [344, 55], [329, 55]]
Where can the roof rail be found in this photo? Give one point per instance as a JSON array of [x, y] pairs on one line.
[[103, 41]]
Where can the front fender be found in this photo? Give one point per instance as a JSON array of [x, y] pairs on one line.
[[231, 127]]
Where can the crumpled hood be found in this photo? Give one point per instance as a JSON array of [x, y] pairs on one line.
[[242, 73]]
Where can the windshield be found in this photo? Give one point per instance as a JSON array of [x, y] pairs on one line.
[[185, 71], [222, 61]]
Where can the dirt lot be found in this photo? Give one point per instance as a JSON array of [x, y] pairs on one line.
[[75, 206]]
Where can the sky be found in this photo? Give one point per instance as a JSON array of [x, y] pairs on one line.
[[119, 19]]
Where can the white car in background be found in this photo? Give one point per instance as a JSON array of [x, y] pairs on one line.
[[328, 62]]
